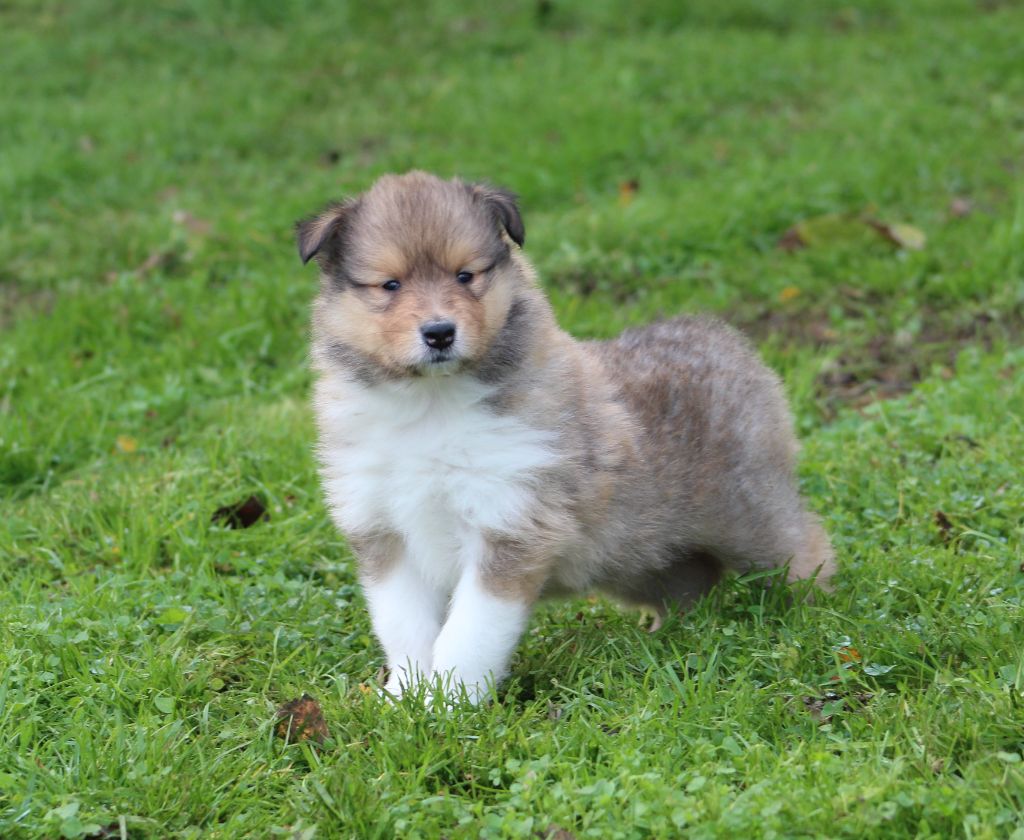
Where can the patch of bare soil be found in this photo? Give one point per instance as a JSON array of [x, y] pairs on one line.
[[874, 365], [16, 298]]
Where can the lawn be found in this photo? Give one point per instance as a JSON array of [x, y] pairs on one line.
[[845, 181]]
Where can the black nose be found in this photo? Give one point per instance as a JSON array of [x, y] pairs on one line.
[[438, 334]]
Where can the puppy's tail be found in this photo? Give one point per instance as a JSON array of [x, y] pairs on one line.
[[815, 558]]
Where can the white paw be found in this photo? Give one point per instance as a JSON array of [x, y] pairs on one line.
[[393, 688], [457, 691], [400, 681]]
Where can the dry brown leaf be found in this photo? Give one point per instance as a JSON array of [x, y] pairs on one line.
[[242, 514], [301, 720], [158, 259], [816, 705], [330, 157], [960, 206], [627, 191], [126, 444], [791, 240], [191, 223]]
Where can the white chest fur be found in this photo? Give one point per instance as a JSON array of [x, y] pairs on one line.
[[429, 460]]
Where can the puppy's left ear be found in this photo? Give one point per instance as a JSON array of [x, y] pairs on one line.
[[505, 207], [317, 233]]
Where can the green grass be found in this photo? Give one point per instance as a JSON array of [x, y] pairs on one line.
[[153, 327]]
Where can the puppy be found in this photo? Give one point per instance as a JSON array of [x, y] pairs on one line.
[[478, 458]]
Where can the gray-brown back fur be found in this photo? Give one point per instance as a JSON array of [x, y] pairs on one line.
[[678, 463], [717, 443]]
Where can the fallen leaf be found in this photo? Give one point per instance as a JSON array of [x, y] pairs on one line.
[[907, 237], [791, 240], [301, 720], [193, 224], [833, 229], [330, 157], [849, 654], [821, 333], [158, 260], [789, 293], [944, 525], [126, 444], [960, 207], [242, 514], [627, 191], [848, 229], [823, 708]]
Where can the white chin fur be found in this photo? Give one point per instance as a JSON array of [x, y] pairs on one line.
[[443, 368]]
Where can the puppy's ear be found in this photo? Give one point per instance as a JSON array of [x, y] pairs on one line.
[[505, 207], [317, 232]]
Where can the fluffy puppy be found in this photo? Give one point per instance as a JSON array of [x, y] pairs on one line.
[[478, 458]]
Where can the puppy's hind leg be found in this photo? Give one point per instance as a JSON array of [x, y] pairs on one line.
[[690, 575]]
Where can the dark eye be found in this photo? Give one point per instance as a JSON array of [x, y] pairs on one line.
[[464, 276], [391, 286]]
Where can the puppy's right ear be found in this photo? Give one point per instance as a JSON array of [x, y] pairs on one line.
[[505, 207], [316, 234]]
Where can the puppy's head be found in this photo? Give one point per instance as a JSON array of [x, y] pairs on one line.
[[419, 275]]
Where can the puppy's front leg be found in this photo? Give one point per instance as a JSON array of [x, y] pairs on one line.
[[405, 610], [488, 614]]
